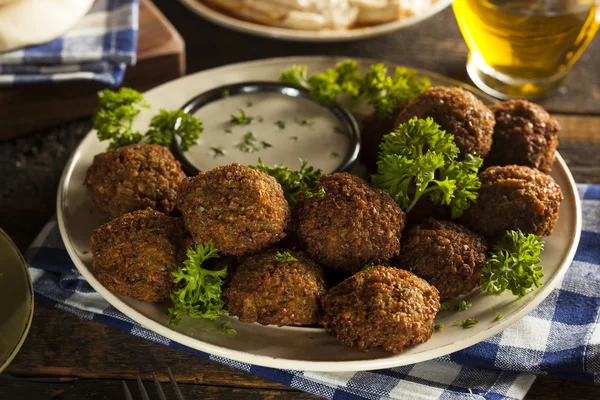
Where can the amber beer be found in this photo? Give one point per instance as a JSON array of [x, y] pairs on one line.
[[523, 48]]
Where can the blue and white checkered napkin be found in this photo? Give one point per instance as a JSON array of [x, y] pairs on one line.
[[561, 337], [98, 48]]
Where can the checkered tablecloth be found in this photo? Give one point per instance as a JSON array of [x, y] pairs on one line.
[[98, 48], [561, 337]]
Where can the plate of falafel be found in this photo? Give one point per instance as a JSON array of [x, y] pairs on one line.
[[456, 220]]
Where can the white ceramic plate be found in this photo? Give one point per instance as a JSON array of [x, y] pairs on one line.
[[227, 21], [299, 348]]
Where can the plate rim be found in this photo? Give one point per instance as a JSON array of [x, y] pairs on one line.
[[322, 366], [255, 29], [23, 264]]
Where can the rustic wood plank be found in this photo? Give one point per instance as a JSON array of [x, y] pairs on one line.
[[579, 129], [63, 345], [112, 389], [435, 45]]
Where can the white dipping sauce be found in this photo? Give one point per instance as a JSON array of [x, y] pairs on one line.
[[311, 132]]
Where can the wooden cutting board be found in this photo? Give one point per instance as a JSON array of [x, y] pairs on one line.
[[160, 58]]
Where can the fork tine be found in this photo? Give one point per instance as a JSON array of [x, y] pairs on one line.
[[142, 389], [128, 395], [161, 394], [178, 393]]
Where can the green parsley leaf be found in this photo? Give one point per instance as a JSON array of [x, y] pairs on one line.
[[226, 329], [201, 209], [367, 267], [198, 291], [247, 144], [292, 182], [499, 317], [319, 193], [514, 264], [463, 305], [217, 152], [280, 124], [154, 229], [265, 145], [444, 306], [388, 94], [115, 114], [419, 159], [230, 183], [242, 119], [467, 323], [285, 257], [168, 124], [438, 327]]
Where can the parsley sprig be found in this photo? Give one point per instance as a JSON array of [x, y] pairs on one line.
[[385, 92], [198, 291], [242, 119], [117, 110], [514, 264], [420, 159], [292, 182]]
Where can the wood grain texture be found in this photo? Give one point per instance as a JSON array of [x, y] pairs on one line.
[[66, 357]]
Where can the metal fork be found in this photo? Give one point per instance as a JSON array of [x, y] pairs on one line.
[[161, 394]]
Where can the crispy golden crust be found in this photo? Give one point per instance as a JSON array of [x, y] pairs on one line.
[[459, 113], [240, 209], [525, 134], [447, 255], [133, 178], [353, 224], [267, 291], [135, 254], [514, 197], [381, 307]]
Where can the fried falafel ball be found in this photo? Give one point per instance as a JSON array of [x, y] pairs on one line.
[[240, 209], [447, 255], [514, 197], [381, 307], [459, 113], [351, 225], [134, 254], [270, 288], [525, 134], [134, 177]]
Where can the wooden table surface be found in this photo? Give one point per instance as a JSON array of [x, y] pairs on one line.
[[66, 357]]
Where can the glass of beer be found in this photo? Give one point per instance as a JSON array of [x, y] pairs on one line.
[[524, 48]]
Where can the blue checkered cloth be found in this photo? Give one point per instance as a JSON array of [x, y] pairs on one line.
[[98, 48], [561, 337]]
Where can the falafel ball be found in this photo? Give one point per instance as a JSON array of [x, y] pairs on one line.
[[270, 288], [240, 209], [381, 307], [525, 134], [134, 177], [351, 225], [447, 255], [514, 197], [459, 113], [135, 254]]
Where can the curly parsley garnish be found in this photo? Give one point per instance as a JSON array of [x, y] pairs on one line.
[[198, 291], [318, 193], [280, 124], [226, 329], [384, 92], [292, 182], [285, 257], [242, 119], [444, 306], [326, 86], [462, 306], [217, 152], [114, 118], [420, 159], [168, 124], [514, 265], [467, 323], [247, 145], [438, 327], [367, 267]]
